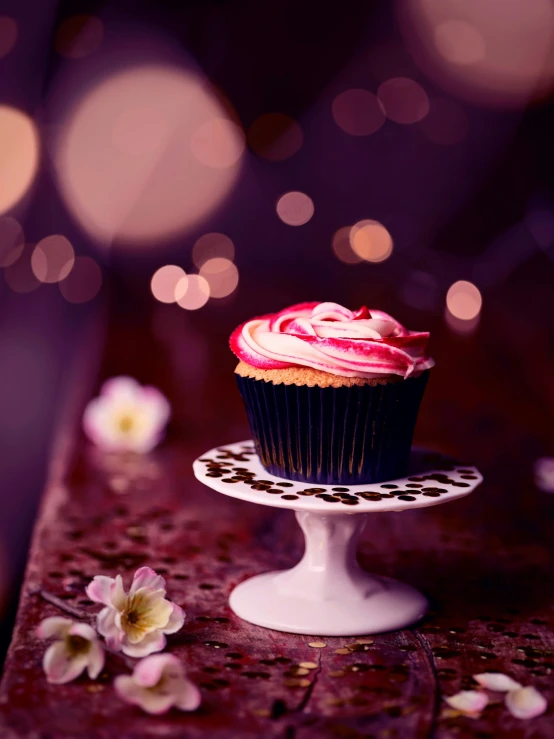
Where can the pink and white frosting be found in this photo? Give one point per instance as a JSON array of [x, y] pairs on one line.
[[328, 337]]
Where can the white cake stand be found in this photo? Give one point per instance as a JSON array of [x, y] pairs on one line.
[[327, 593]]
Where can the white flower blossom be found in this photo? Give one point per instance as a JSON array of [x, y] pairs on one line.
[[158, 683], [135, 622], [126, 416], [76, 648], [496, 681], [526, 703], [521, 702], [471, 702]]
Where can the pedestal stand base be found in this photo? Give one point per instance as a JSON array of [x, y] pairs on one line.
[[327, 593], [389, 605]]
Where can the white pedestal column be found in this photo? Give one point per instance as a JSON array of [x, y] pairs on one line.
[[327, 593]]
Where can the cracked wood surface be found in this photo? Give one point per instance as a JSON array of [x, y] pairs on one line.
[[485, 562]]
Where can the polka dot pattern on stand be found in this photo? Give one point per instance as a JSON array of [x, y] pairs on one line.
[[235, 470]]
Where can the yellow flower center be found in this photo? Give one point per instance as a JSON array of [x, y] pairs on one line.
[[77, 644], [133, 618], [126, 423], [136, 619], [161, 687], [142, 613], [133, 621]]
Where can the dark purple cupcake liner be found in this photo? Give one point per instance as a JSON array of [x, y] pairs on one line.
[[346, 435]]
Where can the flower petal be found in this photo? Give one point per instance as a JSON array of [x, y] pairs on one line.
[[158, 683], [83, 630], [526, 703], [96, 660], [145, 441], [154, 611], [156, 703], [153, 642], [149, 700], [105, 623], [95, 423], [156, 407], [114, 642], [119, 596], [53, 626], [187, 695], [121, 398], [145, 577], [60, 666], [121, 388], [127, 689], [176, 620], [496, 681], [468, 701], [100, 589], [149, 671]]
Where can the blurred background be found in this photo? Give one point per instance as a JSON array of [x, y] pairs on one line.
[[168, 170]]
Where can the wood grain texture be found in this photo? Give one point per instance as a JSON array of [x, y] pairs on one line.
[[485, 562]]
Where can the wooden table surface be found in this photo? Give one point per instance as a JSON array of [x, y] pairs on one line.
[[484, 561]]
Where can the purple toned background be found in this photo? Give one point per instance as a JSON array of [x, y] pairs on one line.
[[464, 196]]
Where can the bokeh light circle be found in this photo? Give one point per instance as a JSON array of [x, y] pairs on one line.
[[295, 208], [139, 130], [83, 282], [193, 291], [8, 35], [218, 143], [275, 137], [446, 123], [146, 154], [464, 301], [19, 275], [19, 155], [459, 325], [342, 247], [371, 241], [52, 259], [164, 283], [221, 275], [12, 241], [496, 54], [404, 100], [459, 42], [212, 245], [358, 112], [79, 36]]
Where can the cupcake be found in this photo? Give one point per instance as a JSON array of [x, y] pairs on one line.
[[331, 395]]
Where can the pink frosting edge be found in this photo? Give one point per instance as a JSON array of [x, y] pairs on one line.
[[399, 363]]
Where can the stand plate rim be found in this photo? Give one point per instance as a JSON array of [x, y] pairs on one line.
[[462, 480]]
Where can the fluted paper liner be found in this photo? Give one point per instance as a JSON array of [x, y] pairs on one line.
[[345, 435]]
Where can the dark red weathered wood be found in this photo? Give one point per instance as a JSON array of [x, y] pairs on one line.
[[115, 515], [484, 561]]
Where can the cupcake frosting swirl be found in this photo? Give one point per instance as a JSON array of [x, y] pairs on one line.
[[326, 336]]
